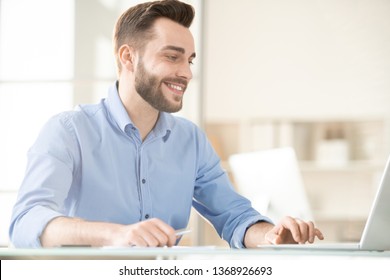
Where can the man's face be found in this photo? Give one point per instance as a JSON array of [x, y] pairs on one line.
[[163, 72]]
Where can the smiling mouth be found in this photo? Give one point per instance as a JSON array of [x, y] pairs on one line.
[[178, 89]]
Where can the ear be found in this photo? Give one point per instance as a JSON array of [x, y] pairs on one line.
[[127, 57]]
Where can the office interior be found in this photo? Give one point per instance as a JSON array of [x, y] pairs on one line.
[[312, 76]]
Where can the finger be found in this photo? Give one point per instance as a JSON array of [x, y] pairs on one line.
[[303, 230], [312, 232], [151, 238], [167, 231], [138, 241], [273, 236], [143, 236], [319, 234], [291, 225], [160, 237], [146, 233], [155, 233]]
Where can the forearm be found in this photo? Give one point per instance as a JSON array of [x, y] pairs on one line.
[[255, 234], [73, 231]]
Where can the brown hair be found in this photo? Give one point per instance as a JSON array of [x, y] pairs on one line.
[[134, 25]]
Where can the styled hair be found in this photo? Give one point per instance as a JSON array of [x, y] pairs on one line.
[[134, 26]]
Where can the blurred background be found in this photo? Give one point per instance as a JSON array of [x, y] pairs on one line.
[[313, 76]]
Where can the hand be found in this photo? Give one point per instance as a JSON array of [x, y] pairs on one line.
[[149, 233], [290, 231]]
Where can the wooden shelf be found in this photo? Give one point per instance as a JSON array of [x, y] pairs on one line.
[[340, 189]]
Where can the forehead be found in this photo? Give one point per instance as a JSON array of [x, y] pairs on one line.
[[170, 33]]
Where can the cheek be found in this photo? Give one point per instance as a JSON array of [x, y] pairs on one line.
[[160, 68]]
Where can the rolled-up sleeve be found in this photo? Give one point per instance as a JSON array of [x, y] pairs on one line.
[[49, 175], [216, 199]]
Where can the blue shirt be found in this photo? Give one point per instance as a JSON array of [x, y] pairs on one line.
[[91, 163]]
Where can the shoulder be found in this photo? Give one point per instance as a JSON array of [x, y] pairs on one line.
[[82, 114], [184, 127], [65, 126], [189, 133], [182, 124]]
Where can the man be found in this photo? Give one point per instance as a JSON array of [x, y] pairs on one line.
[[125, 172]]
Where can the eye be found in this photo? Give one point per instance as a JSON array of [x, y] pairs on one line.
[[172, 57]]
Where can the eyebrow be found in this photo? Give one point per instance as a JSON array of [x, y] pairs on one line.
[[178, 49]]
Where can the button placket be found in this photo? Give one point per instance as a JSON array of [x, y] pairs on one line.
[[144, 186]]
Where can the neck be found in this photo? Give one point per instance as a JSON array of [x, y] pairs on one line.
[[140, 112]]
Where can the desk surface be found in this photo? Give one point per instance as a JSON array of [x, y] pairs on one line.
[[178, 253]]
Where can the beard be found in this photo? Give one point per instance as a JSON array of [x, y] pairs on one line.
[[148, 87]]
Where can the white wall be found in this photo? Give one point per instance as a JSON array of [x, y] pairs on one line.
[[297, 58]]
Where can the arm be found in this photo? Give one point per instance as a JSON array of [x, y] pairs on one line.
[[216, 199], [73, 231], [289, 230], [49, 193], [49, 174]]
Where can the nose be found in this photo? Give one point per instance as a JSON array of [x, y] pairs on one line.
[[184, 71]]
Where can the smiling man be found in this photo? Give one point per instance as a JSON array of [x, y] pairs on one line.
[[126, 172]]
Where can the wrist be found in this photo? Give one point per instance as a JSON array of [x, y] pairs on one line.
[[256, 233]]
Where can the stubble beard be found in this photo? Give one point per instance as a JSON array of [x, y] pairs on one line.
[[148, 87]]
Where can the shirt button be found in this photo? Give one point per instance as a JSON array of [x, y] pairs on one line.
[[147, 216], [143, 181]]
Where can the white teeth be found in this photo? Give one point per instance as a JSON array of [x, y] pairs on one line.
[[175, 87]]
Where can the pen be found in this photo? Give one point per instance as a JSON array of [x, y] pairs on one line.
[[182, 231]]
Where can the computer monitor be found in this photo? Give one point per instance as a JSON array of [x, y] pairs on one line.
[[271, 179]]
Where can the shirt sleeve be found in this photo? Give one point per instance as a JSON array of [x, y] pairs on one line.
[[216, 199], [51, 164]]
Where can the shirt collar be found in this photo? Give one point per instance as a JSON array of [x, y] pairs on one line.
[[119, 114], [163, 126], [116, 108]]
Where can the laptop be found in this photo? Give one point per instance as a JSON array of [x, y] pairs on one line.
[[375, 235]]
